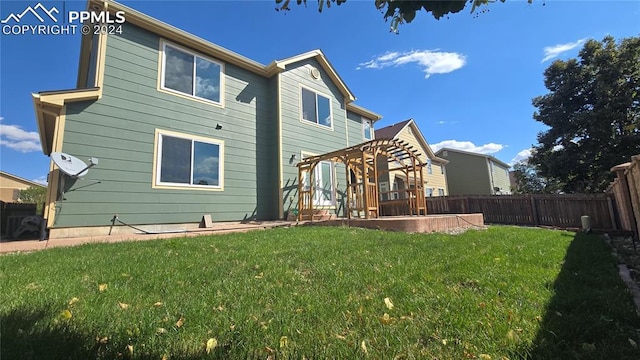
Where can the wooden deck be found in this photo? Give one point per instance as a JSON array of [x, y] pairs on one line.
[[445, 223]]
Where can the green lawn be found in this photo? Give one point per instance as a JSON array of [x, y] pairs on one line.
[[319, 293]]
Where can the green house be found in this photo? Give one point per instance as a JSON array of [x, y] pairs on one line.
[[184, 128], [470, 173]]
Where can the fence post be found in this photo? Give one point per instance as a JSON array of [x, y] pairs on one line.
[[611, 213], [534, 211]]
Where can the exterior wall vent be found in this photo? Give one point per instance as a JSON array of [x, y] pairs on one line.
[[315, 73]]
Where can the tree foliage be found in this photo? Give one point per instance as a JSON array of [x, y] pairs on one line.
[[33, 195], [399, 12], [528, 181], [593, 114]]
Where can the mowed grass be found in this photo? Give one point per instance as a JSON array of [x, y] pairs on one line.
[[319, 293]]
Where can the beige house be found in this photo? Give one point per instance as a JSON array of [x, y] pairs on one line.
[[10, 185], [393, 183], [475, 174]]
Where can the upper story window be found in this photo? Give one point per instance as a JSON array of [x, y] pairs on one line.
[[429, 168], [441, 169], [188, 161], [367, 129], [93, 61], [316, 108], [190, 74]]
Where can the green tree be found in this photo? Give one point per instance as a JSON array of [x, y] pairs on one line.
[[34, 195], [528, 181], [593, 114], [400, 12]]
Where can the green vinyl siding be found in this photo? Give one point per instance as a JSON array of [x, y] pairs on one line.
[[354, 126], [467, 174], [119, 129], [500, 177], [300, 136]]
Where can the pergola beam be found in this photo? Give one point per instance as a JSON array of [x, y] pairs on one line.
[[362, 160]]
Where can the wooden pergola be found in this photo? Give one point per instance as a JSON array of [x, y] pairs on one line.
[[362, 174]]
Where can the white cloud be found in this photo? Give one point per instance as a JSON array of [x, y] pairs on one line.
[[14, 137], [521, 156], [431, 61], [551, 52], [489, 148], [42, 180]]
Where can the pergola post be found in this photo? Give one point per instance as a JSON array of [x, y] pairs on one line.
[[348, 176], [365, 183]]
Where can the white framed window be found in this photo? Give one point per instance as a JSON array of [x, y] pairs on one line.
[[440, 192], [429, 167], [384, 190], [441, 169], [186, 73], [186, 161], [315, 108], [429, 192], [367, 129]]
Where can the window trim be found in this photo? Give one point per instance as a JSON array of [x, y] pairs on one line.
[[161, 74], [365, 120], [157, 184], [300, 87]]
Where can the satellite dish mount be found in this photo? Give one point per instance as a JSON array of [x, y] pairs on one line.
[[71, 165]]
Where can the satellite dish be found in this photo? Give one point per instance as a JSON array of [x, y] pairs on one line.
[[71, 165]]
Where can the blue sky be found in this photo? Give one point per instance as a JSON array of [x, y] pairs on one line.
[[467, 80]]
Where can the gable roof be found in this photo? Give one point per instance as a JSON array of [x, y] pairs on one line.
[[319, 56], [392, 131], [19, 179], [490, 157]]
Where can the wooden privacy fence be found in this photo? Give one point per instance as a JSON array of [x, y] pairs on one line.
[[626, 190], [563, 211], [11, 215]]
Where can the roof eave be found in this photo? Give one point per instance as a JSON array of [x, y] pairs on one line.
[[363, 112], [50, 103], [326, 65], [181, 36]]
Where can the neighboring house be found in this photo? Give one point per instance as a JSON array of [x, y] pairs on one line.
[[183, 128], [10, 186], [393, 183], [470, 173]]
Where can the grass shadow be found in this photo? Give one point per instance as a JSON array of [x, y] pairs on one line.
[[32, 333], [25, 336], [591, 315]]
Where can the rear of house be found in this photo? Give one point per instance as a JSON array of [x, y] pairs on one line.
[[393, 183], [184, 128], [475, 174]]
